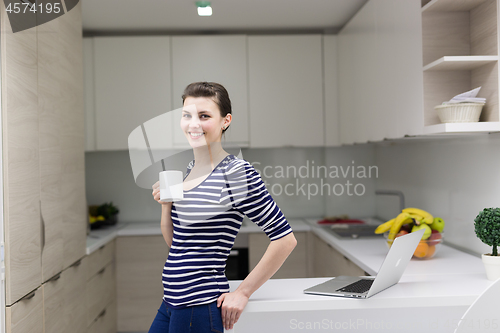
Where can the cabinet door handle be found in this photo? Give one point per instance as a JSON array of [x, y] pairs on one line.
[[29, 296], [42, 227], [78, 263], [101, 271], [103, 312], [55, 277]]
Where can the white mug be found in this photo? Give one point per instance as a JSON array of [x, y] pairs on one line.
[[171, 188]]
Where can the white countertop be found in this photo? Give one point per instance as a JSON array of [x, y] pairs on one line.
[[432, 295], [369, 253]]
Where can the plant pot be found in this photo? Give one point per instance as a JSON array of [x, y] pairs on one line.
[[492, 266]]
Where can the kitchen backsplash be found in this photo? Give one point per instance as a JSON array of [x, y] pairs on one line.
[[453, 178], [304, 182]]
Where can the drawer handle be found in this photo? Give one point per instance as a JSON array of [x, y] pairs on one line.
[[29, 296], [55, 277], [103, 312], [78, 263], [101, 271]]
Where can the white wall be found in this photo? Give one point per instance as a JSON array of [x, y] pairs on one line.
[[453, 178], [109, 178]]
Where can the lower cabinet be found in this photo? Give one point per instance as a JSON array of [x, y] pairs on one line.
[[101, 290], [26, 315], [139, 264], [328, 262], [295, 266], [58, 305], [106, 321]]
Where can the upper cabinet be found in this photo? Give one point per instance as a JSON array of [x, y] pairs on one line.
[[460, 53], [132, 84], [330, 49], [275, 84], [286, 91], [221, 59], [380, 72]]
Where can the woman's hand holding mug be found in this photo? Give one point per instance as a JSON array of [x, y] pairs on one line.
[[156, 194]]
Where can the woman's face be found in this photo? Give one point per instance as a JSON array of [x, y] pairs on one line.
[[201, 121]]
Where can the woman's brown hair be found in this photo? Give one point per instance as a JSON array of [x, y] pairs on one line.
[[213, 90]]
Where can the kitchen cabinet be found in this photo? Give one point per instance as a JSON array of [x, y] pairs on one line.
[[88, 89], [101, 283], [21, 170], [52, 107], [460, 53], [380, 76], [328, 262], [26, 315], [221, 59], [285, 78], [139, 265], [43, 169], [106, 322], [132, 84], [332, 128], [295, 266], [74, 307]]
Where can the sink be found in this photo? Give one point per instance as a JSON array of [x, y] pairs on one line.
[[355, 230]]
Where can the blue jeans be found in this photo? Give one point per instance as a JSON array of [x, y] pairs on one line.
[[193, 319]]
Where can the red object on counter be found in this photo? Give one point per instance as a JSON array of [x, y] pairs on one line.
[[350, 221]]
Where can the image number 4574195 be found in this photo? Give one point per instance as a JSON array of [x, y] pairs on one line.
[[26, 14]]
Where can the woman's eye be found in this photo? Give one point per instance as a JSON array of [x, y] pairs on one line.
[[205, 115], [186, 115]]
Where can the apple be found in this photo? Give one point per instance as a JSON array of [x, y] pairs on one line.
[[435, 235], [427, 232], [437, 224]]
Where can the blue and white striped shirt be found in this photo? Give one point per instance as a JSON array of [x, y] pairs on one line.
[[205, 225]]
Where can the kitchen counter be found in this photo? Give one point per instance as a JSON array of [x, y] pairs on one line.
[[103, 235], [369, 253], [432, 295], [416, 304]]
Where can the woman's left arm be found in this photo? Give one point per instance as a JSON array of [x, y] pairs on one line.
[[234, 302]]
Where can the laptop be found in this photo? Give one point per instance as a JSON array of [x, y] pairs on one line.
[[390, 272]]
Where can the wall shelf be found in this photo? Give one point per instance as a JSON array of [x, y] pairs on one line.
[[459, 63], [451, 5], [478, 127]]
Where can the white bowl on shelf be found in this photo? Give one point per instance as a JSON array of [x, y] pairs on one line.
[[459, 112]]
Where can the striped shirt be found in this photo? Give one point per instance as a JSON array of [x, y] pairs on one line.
[[205, 225]]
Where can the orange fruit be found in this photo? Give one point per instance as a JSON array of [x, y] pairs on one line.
[[430, 252], [422, 249]]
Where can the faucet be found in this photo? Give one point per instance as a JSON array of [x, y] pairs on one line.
[[392, 192]]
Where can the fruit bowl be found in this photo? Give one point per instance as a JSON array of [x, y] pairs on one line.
[[426, 248]]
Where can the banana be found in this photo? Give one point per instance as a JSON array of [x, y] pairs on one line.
[[427, 218], [384, 226], [401, 219]]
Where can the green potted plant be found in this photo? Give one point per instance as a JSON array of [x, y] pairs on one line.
[[487, 227], [105, 214]]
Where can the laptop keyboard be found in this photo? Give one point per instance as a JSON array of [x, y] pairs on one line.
[[359, 286]]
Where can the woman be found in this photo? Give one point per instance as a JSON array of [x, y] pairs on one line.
[[219, 189]]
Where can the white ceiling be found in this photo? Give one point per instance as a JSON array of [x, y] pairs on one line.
[[125, 16]]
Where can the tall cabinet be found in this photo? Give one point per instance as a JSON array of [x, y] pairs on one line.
[[43, 170]]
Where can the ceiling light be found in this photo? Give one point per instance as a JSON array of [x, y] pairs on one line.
[[204, 8]]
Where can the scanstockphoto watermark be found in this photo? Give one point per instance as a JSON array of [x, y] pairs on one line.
[[421, 324], [311, 179]]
